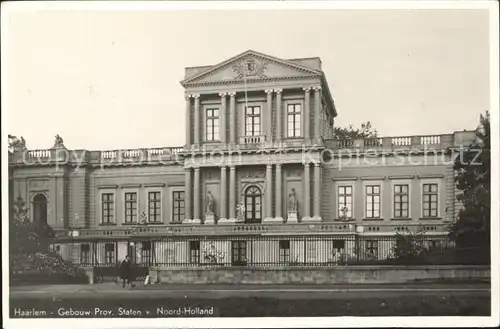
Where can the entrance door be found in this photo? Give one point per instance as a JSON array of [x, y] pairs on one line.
[[253, 205], [40, 210]]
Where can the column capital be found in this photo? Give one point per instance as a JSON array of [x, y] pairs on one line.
[[195, 95], [188, 96], [222, 95], [269, 91], [317, 88], [232, 94], [307, 89], [223, 168], [278, 90], [269, 166], [196, 168], [307, 164], [317, 164], [232, 167], [278, 165]]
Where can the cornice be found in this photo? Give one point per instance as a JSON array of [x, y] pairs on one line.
[[250, 80]]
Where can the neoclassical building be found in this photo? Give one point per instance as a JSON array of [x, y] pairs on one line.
[[261, 179]]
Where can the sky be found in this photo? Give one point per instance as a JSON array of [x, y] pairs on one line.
[[110, 79]]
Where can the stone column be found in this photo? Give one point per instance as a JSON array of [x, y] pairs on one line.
[[279, 114], [222, 128], [269, 116], [269, 192], [223, 193], [188, 194], [196, 118], [232, 192], [307, 193], [232, 110], [279, 198], [317, 113], [317, 192], [188, 120], [196, 194], [307, 103]]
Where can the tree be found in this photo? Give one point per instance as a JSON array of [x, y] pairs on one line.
[[364, 131], [472, 167]]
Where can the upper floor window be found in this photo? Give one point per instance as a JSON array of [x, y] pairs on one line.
[[372, 201], [212, 125], [345, 202], [178, 207], [154, 206], [430, 200], [401, 201], [130, 207], [294, 120], [108, 209], [252, 121]]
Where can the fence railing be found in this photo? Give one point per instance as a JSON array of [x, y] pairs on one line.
[[266, 251]]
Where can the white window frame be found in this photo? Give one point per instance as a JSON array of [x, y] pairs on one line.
[[299, 102], [352, 184], [440, 184], [171, 191], [393, 210], [207, 107], [146, 198], [123, 206], [380, 184], [101, 219]]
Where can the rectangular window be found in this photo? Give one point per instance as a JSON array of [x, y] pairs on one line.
[[372, 248], [108, 209], [430, 200], [294, 120], [284, 252], [109, 253], [345, 202], [154, 207], [239, 252], [178, 206], [401, 201], [131, 207], [338, 244], [146, 253], [252, 121], [372, 201], [194, 252], [212, 126], [85, 254]]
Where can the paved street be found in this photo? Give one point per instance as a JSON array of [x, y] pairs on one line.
[[253, 300], [225, 291]]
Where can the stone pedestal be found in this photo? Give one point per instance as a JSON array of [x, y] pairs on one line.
[[292, 217], [311, 219], [273, 220], [209, 218], [191, 221]]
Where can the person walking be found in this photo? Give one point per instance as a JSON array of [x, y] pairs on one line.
[[126, 272]]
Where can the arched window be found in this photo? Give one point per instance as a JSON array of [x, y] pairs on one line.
[[40, 210], [253, 205]]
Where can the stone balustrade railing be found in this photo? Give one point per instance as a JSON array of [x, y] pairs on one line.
[[176, 154], [251, 229]]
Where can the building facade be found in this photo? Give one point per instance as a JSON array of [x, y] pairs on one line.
[[261, 179]]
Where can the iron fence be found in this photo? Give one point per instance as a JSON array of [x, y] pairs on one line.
[[262, 251]]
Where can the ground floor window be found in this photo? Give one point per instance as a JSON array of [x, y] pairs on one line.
[[194, 252], [372, 248], [239, 252], [85, 254], [146, 253], [109, 253], [284, 251]]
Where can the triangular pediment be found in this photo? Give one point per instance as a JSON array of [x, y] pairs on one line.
[[250, 65]]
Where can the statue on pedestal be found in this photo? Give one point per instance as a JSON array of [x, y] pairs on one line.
[[293, 204], [240, 211], [59, 142], [16, 144], [210, 203]]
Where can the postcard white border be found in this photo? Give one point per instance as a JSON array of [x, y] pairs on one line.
[[492, 6]]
